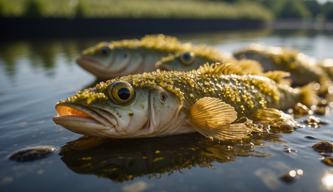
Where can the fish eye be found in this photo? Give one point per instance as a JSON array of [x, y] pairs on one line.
[[187, 58], [105, 50], [121, 92]]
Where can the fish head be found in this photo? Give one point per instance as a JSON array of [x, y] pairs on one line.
[[185, 61], [119, 109], [106, 61]]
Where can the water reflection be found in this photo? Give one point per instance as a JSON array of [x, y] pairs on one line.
[[43, 55], [327, 180], [47, 54], [122, 160]]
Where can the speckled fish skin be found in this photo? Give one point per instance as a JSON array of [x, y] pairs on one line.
[[123, 57], [176, 62], [302, 68], [246, 93]]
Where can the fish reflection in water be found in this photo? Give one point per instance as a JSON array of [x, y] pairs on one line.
[[122, 160]]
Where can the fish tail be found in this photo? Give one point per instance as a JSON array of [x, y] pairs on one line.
[[308, 94]]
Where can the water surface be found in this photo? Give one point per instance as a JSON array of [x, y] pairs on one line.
[[34, 75]]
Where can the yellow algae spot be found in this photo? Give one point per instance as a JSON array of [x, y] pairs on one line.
[[157, 152], [86, 158], [158, 159]]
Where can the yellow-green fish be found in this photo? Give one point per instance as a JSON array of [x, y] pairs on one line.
[[118, 58], [303, 69], [210, 100], [188, 60]]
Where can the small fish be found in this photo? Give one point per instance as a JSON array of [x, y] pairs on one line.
[[187, 61], [118, 58], [303, 69], [211, 100]]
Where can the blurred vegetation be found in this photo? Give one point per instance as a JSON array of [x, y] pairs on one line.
[[230, 9], [133, 9]]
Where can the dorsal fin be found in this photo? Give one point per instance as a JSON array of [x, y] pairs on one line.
[[280, 77], [219, 69]]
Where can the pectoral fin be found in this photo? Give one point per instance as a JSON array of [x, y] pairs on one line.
[[275, 118], [213, 118]]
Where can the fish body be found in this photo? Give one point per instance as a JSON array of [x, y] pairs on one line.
[[303, 69], [209, 100], [118, 58], [188, 61]]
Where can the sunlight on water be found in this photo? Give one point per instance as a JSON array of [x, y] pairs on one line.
[[34, 75], [327, 181]]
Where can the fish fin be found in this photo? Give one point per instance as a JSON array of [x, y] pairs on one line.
[[213, 117], [233, 131], [280, 77], [219, 69], [275, 118], [308, 94], [250, 66]]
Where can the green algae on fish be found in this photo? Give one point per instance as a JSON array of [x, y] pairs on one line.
[[187, 61], [110, 59], [215, 103], [303, 69]]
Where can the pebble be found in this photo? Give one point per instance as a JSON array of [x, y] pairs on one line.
[[301, 110], [323, 147], [321, 110], [292, 175], [314, 121], [32, 153], [328, 161]]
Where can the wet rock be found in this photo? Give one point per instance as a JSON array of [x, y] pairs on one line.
[[292, 175], [323, 147], [32, 153], [301, 110], [323, 103], [328, 161], [321, 110], [315, 121]]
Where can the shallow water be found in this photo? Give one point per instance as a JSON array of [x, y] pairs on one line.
[[36, 74]]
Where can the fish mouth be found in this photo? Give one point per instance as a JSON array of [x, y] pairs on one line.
[[85, 120], [94, 66]]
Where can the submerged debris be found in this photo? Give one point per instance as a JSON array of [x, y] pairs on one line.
[[301, 110], [32, 153], [310, 137], [289, 150], [328, 161], [292, 175], [323, 147], [315, 122]]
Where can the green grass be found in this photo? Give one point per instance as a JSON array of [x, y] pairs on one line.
[[133, 9]]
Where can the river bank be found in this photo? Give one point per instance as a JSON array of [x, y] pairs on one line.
[[13, 28]]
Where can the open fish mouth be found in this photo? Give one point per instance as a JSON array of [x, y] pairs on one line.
[[85, 120]]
